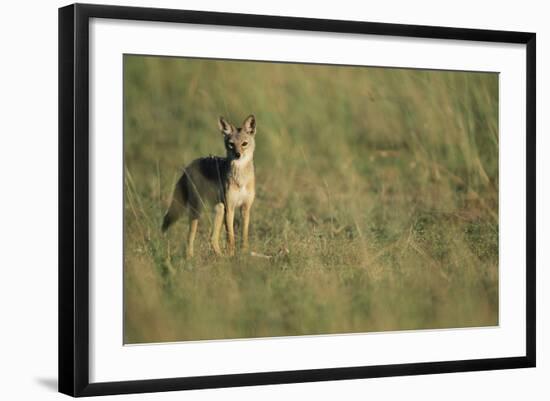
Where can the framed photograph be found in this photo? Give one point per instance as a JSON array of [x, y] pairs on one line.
[[251, 199]]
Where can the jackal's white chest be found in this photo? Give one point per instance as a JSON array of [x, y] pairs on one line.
[[239, 195], [241, 185]]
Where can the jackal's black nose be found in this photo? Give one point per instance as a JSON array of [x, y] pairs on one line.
[[237, 155]]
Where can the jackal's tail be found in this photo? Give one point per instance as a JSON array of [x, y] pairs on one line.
[[177, 206]]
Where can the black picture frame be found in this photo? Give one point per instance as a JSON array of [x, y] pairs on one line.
[[74, 198]]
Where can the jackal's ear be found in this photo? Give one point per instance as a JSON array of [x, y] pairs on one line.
[[225, 127], [249, 125]]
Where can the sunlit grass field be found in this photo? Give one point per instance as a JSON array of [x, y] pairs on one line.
[[376, 199]]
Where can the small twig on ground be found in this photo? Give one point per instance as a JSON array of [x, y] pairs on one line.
[[260, 255]]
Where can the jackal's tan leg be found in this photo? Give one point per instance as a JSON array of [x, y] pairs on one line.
[[218, 220], [246, 220], [229, 218], [191, 239]]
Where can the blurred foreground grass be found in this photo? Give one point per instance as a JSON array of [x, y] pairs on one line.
[[377, 195]]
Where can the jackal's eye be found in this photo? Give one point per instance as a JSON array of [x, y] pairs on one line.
[[230, 145], [244, 144]]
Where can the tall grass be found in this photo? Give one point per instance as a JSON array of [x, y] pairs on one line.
[[377, 198]]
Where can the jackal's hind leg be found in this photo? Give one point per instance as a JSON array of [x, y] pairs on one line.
[[218, 220], [193, 223]]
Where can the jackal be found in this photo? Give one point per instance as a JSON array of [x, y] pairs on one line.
[[221, 183]]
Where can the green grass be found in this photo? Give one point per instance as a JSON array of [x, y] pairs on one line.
[[377, 196]]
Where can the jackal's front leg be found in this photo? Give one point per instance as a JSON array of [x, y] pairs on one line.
[[246, 220], [229, 219]]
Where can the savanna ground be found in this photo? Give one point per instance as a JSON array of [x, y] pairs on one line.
[[377, 198]]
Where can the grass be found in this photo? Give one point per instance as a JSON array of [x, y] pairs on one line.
[[377, 196]]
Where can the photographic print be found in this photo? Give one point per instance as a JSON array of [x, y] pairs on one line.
[[266, 199]]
